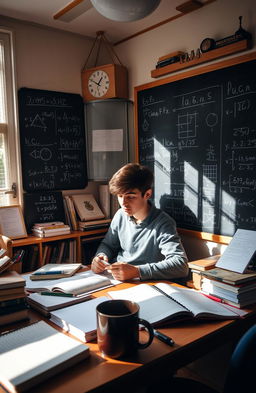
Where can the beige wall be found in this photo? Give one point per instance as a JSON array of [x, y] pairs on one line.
[[216, 20]]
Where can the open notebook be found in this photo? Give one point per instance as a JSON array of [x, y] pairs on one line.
[[34, 353], [164, 302]]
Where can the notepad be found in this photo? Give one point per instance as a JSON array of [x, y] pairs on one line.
[[34, 353], [164, 302], [79, 319]]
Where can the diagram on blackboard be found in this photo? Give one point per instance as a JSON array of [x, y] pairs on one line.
[[52, 140]]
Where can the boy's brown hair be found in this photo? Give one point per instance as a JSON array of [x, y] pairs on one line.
[[131, 176]]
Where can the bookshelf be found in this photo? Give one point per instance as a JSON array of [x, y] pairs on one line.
[[80, 237]]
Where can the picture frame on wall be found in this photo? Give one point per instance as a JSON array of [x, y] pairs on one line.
[[12, 222]]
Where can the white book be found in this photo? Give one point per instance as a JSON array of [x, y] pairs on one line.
[[55, 270], [104, 199], [164, 302], [35, 353], [79, 319], [87, 207]]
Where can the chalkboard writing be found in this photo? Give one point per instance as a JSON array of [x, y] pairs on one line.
[[43, 207], [52, 140], [198, 135]]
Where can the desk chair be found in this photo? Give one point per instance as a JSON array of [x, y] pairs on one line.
[[241, 374]]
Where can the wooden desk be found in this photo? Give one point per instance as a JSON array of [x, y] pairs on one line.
[[99, 375]]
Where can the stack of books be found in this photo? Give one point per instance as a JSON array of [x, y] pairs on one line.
[[94, 224], [13, 304], [236, 289], [47, 229], [197, 267]]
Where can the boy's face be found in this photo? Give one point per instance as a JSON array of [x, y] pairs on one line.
[[132, 202]]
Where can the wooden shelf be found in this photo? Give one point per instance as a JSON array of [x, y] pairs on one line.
[[40, 241], [205, 57]]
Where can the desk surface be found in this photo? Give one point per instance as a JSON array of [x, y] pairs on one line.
[[97, 374]]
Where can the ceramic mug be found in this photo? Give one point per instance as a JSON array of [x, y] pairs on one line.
[[118, 328]]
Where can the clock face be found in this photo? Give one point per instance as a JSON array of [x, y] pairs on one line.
[[98, 83]]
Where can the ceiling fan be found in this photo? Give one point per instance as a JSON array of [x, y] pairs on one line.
[[121, 11]]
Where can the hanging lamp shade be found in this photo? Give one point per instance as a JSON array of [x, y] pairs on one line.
[[125, 10]]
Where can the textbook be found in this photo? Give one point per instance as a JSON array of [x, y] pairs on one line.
[[87, 207], [35, 353], [45, 304], [78, 285], [228, 276], [79, 319], [165, 302], [54, 270]]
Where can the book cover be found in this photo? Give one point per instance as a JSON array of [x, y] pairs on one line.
[[49, 352], [54, 270], [11, 279], [228, 276], [87, 207], [104, 199]]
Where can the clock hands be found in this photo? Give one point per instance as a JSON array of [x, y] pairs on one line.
[[96, 83]]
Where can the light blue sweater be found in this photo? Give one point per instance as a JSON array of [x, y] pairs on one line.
[[153, 245]]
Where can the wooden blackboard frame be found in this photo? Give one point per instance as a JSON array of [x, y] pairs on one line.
[[180, 76]]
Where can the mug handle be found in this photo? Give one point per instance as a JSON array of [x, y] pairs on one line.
[[150, 331]]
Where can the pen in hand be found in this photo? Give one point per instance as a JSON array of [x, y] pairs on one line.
[[162, 337]]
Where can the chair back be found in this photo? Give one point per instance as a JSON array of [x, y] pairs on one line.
[[241, 375]]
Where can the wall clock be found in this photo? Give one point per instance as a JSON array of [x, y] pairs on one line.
[[105, 81]]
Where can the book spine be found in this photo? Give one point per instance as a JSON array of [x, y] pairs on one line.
[[104, 197]]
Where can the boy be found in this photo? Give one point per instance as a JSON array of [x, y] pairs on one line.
[[142, 241]]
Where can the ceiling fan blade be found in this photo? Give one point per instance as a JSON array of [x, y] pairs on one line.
[[73, 10]]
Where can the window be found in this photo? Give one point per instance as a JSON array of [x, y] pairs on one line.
[[8, 121]]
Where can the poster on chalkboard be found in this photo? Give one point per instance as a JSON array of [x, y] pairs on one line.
[[43, 207], [52, 140]]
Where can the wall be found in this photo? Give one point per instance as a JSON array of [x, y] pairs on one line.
[[216, 20]]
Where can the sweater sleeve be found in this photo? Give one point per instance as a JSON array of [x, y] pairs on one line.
[[174, 264]]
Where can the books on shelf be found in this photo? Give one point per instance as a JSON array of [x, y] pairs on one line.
[[78, 285], [46, 304], [54, 270], [71, 212], [43, 231], [87, 207], [35, 353], [94, 224], [79, 319], [163, 302], [240, 251]]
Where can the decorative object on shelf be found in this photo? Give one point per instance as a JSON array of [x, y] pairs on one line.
[[241, 34], [216, 53], [171, 58], [125, 11], [104, 81]]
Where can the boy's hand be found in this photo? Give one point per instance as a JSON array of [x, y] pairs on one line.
[[123, 271], [99, 264]]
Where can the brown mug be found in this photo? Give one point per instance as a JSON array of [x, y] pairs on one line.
[[118, 328]]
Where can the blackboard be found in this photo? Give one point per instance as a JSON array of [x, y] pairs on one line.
[[52, 140], [198, 134], [43, 207]]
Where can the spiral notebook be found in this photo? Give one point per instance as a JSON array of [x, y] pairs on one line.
[[35, 353]]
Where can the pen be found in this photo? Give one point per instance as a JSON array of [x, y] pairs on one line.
[[56, 294], [163, 337], [46, 273]]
